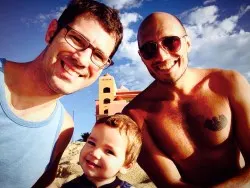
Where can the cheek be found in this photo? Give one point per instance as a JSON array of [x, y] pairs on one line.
[[148, 65], [82, 154], [93, 69], [81, 158], [110, 163], [97, 72], [184, 59], [151, 70], [94, 74], [120, 161]]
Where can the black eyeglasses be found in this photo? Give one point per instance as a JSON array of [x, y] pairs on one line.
[[170, 43], [80, 43]]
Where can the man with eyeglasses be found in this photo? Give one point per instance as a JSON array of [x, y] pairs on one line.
[[35, 128], [195, 122]]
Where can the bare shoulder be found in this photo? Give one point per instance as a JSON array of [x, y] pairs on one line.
[[225, 75], [68, 121], [142, 100], [65, 134], [238, 87], [222, 80], [137, 108], [134, 110], [235, 79], [66, 131], [63, 139]]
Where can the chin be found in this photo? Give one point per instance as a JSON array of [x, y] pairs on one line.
[[160, 78], [65, 88], [60, 89]]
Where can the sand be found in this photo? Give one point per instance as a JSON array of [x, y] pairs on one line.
[[69, 169]]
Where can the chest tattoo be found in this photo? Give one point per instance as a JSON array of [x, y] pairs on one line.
[[216, 123]]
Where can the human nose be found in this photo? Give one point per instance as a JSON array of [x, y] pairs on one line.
[[83, 58], [96, 153], [162, 53]]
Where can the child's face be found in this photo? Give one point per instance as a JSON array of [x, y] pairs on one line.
[[103, 155]]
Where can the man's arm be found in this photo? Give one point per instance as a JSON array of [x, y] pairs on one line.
[[239, 98], [63, 140], [160, 169]]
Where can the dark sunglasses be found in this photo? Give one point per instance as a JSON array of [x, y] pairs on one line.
[[170, 43]]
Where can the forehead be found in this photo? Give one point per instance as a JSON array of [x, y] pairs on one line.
[[94, 32], [158, 26], [109, 134]]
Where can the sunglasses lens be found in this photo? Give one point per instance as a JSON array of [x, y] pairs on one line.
[[172, 43], [148, 50]]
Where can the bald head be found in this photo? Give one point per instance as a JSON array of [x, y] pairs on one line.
[[158, 21]]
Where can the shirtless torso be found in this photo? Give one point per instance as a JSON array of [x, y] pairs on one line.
[[190, 135]]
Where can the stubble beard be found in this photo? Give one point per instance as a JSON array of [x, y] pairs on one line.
[[169, 81]]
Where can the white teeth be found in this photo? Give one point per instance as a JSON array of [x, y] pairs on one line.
[[70, 71]]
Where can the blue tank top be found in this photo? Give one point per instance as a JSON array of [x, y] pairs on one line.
[[25, 147]]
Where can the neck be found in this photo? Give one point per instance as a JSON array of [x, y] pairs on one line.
[[26, 84], [183, 84]]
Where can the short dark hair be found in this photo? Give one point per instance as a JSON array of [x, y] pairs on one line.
[[130, 129], [108, 17]]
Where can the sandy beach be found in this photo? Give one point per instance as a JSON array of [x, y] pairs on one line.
[[69, 169]]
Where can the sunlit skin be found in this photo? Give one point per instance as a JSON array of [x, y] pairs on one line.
[[68, 70], [195, 122], [166, 66], [103, 155], [58, 70], [33, 88]]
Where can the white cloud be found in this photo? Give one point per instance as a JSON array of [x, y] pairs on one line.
[[132, 73], [216, 42], [123, 4], [248, 75], [230, 52], [244, 10], [128, 48], [44, 19], [219, 43], [209, 2], [134, 76], [201, 16], [128, 18], [214, 29]]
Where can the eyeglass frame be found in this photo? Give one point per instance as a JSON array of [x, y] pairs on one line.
[[159, 43], [109, 61]]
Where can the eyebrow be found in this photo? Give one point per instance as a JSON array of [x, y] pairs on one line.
[[91, 138], [109, 146], [106, 145]]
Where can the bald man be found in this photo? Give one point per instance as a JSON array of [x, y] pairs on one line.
[[195, 122]]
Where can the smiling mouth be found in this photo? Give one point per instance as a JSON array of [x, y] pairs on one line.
[[166, 66], [92, 164], [69, 70]]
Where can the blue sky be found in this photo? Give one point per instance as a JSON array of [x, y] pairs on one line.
[[219, 29]]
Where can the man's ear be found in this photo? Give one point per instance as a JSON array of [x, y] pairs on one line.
[[139, 53], [125, 168], [51, 31], [189, 44]]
